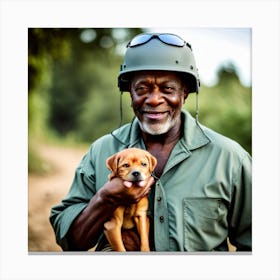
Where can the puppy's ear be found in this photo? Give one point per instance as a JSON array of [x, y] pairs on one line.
[[152, 162], [112, 164]]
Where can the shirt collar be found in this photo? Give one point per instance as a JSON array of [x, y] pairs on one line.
[[194, 137]]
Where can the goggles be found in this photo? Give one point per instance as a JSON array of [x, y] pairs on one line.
[[166, 38]]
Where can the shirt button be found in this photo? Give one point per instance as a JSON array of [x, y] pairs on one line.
[[161, 218], [159, 198]]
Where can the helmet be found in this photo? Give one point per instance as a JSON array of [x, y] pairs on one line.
[[159, 51]]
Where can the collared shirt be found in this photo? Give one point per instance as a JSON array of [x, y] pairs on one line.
[[202, 198]]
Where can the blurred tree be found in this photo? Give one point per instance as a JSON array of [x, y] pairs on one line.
[[66, 67], [228, 74], [226, 107]]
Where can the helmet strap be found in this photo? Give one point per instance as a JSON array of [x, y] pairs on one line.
[[121, 109], [121, 120], [196, 107]]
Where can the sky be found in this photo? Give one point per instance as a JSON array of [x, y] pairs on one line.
[[214, 47]]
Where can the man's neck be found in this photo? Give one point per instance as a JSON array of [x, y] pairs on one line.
[[166, 139], [161, 146]]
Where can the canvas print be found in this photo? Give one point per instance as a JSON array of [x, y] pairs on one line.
[[139, 140]]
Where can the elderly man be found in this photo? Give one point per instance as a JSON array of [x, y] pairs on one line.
[[200, 194]]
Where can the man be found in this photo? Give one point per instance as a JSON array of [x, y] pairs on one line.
[[200, 195]]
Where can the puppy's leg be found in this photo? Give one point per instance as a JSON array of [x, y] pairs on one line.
[[112, 230], [143, 224]]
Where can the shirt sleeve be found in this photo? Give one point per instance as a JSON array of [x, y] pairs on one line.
[[78, 197], [240, 214]]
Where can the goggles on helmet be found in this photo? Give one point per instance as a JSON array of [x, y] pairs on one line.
[[169, 39]]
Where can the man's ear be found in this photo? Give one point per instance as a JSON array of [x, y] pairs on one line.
[[131, 99], [186, 93]]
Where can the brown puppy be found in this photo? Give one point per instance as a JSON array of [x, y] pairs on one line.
[[132, 165]]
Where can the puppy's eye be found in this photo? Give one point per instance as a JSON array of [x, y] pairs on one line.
[[144, 164], [126, 165]]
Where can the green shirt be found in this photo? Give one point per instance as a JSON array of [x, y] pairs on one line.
[[202, 198]]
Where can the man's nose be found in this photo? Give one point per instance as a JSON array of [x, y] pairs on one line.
[[154, 97]]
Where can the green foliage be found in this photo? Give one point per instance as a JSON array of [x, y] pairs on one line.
[[83, 65], [226, 108], [35, 162]]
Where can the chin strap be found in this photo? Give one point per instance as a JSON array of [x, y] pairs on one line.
[[121, 120], [121, 109], [196, 107]]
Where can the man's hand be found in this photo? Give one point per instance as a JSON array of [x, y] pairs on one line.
[[124, 192]]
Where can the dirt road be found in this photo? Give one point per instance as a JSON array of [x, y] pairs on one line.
[[47, 190]]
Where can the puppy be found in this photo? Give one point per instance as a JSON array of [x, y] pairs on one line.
[[134, 165]]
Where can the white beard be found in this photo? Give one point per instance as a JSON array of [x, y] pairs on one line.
[[157, 129]]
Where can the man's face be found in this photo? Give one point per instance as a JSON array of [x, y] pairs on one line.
[[157, 100]]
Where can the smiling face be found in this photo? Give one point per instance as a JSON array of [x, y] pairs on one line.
[[157, 100]]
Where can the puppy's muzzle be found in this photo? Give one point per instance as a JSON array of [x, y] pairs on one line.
[[136, 175]]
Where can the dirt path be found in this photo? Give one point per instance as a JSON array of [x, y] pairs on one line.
[[48, 190]]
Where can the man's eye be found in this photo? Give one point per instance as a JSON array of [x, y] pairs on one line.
[[141, 89], [167, 89]]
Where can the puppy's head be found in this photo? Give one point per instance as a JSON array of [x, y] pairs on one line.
[[131, 164]]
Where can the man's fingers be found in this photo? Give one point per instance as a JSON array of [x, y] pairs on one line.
[[151, 181]]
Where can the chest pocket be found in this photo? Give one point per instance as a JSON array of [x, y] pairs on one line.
[[205, 223]]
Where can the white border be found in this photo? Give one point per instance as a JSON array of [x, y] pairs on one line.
[[17, 16]]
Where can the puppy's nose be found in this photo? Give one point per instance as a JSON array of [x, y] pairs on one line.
[[135, 174]]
